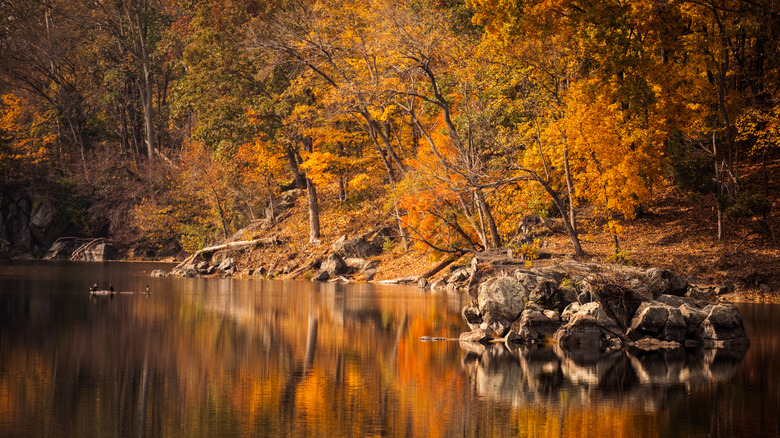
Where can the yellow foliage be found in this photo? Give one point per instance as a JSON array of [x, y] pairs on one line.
[[24, 135]]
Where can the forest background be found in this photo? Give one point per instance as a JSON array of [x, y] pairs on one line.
[[647, 130]]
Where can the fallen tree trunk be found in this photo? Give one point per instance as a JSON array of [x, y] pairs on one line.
[[439, 266], [402, 280], [231, 246], [78, 253]]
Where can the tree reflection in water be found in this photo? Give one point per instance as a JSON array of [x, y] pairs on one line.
[[238, 358]]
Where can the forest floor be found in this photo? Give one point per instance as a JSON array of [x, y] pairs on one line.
[[676, 232]]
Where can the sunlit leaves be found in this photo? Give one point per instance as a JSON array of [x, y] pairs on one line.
[[26, 137]]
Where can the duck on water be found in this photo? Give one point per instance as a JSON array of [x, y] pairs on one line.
[[94, 291]]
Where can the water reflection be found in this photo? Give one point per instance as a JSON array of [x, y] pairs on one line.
[[254, 358], [532, 375]]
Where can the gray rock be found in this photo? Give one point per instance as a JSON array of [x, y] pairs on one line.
[[158, 273], [321, 276], [501, 299], [370, 274], [334, 265], [458, 276], [537, 325], [692, 317], [43, 216], [722, 323], [655, 319], [672, 300], [600, 306], [665, 282], [496, 328], [587, 326], [478, 335], [43, 226], [356, 247]]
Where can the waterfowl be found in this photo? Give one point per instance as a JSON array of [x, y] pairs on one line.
[[102, 293]]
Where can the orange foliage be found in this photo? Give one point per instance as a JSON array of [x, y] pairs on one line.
[[25, 139]]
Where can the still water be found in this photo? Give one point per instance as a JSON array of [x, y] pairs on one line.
[[220, 357]]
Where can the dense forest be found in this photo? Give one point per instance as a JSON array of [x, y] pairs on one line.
[[169, 124]]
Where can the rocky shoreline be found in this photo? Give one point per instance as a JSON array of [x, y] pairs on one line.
[[602, 307]]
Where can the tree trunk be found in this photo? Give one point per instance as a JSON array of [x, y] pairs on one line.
[[495, 238], [569, 189], [575, 240], [719, 188], [300, 177], [314, 211], [146, 90], [311, 195], [373, 133]]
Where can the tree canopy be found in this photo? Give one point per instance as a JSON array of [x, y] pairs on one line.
[[465, 114]]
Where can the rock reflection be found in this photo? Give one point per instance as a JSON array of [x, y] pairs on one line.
[[526, 375]]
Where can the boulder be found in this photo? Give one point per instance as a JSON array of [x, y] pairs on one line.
[[536, 325], [657, 320], [723, 323], [334, 265], [458, 276], [357, 247], [588, 326], [501, 301], [478, 335], [550, 296], [321, 276], [665, 282]]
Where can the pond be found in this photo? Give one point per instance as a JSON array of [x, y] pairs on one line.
[[222, 357]]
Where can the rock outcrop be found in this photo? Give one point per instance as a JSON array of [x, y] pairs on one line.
[[28, 224], [580, 306]]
